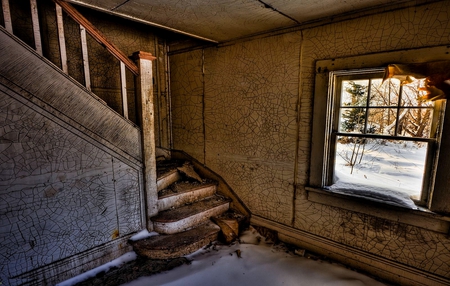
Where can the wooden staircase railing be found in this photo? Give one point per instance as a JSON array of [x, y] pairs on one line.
[[85, 26]]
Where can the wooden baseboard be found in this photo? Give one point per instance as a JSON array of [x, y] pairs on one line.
[[375, 265], [67, 268]]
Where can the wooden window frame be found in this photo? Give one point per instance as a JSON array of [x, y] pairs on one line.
[[333, 107], [437, 207]]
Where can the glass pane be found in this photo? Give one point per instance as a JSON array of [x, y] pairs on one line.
[[384, 94], [390, 169], [354, 93], [412, 93], [352, 120], [381, 121], [415, 122]]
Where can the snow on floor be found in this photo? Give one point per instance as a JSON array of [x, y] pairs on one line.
[[261, 263], [116, 263]]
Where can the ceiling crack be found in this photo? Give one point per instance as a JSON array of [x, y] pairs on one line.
[[268, 6], [120, 5]]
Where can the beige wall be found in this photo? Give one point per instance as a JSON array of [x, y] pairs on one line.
[[249, 117]]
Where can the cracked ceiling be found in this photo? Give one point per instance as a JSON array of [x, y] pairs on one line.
[[225, 20]]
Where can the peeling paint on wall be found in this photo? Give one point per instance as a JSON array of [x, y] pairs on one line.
[[252, 90]]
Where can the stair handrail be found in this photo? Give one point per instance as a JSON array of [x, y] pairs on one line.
[[97, 35], [85, 26]]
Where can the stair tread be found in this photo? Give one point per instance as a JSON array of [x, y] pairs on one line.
[[177, 214], [176, 245], [169, 241], [178, 188]]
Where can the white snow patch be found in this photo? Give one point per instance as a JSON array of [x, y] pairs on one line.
[[389, 173], [143, 234], [358, 188], [260, 264], [127, 257]]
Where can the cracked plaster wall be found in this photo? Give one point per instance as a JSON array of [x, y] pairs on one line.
[[61, 195], [64, 198], [244, 124]]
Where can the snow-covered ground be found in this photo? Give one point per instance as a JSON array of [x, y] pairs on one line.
[[389, 172], [260, 263]]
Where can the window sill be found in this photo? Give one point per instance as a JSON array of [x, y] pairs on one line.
[[420, 217]]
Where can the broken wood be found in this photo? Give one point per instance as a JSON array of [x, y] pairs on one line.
[[188, 170]]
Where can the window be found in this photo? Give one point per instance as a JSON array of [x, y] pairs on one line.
[[380, 140], [332, 106]]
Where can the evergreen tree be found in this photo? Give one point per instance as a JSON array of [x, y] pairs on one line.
[[355, 116]]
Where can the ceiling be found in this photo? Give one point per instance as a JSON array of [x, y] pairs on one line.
[[225, 20]]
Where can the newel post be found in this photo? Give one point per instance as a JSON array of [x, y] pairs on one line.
[[145, 109]]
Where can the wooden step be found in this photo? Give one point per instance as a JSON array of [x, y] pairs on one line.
[[167, 179], [182, 218], [167, 173], [181, 193], [176, 245]]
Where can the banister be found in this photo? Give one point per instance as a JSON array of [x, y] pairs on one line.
[[97, 35]]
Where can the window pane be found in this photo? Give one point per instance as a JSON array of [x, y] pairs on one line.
[[381, 164], [415, 122], [352, 120], [354, 93], [385, 94], [381, 121], [411, 94]]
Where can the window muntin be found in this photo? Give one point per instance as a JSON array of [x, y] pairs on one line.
[[380, 135]]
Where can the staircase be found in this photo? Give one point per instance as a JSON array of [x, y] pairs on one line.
[[186, 204]]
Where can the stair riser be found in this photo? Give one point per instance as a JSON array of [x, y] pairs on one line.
[[185, 198], [181, 225], [166, 181]]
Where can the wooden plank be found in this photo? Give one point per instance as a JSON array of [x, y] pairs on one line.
[[144, 98], [61, 39], [84, 52], [7, 16], [97, 35], [36, 28], [123, 85], [441, 196]]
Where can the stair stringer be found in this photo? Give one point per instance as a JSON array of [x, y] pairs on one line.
[[39, 80], [72, 164]]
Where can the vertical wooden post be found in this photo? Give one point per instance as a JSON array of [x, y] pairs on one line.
[[7, 16], [84, 52], [36, 28], [61, 39], [144, 96], [123, 88]]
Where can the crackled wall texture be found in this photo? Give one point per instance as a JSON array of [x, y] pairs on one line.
[[245, 111], [70, 173], [70, 196], [61, 195]]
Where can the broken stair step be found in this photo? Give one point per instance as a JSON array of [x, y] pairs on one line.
[[182, 193], [179, 219], [176, 245]]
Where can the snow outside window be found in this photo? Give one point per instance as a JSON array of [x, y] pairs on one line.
[[381, 140]]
